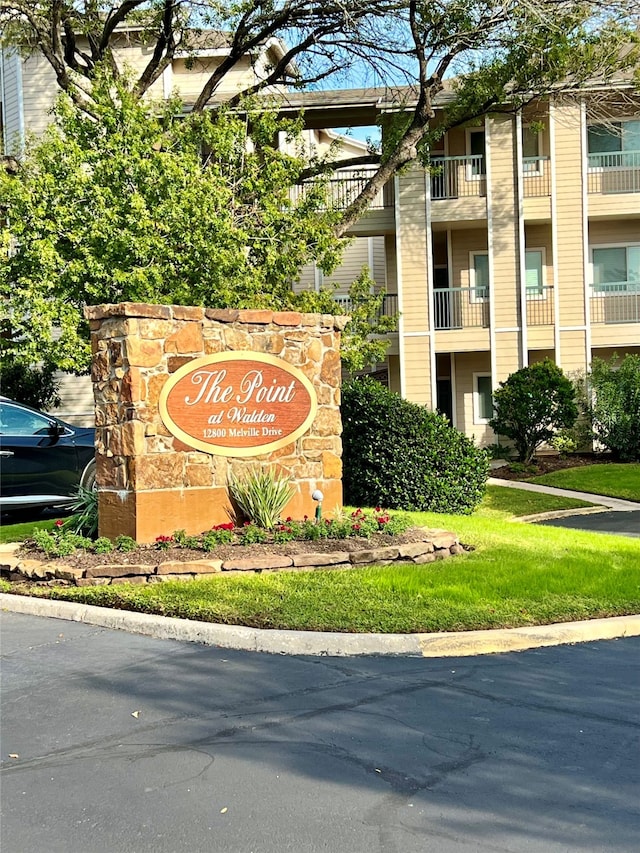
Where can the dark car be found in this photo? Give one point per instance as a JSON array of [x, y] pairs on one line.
[[42, 459]]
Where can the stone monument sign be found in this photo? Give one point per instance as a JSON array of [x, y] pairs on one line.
[[184, 396]]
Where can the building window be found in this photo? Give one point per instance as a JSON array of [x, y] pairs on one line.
[[532, 164], [616, 143], [479, 276], [534, 272], [477, 151], [616, 268], [482, 398]]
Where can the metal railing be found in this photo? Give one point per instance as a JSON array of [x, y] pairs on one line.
[[614, 172], [346, 185], [461, 307], [389, 307], [458, 177], [540, 306], [536, 177], [618, 302]]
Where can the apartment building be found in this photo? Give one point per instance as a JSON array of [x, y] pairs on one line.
[[522, 241]]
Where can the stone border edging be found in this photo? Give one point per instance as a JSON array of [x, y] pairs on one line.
[[435, 545], [443, 644]]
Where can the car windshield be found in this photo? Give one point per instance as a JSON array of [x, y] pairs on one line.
[[18, 421]]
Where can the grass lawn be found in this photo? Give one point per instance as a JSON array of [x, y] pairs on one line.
[[614, 480], [518, 574], [499, 500], [18, 532]]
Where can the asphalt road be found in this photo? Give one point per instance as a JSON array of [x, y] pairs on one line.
[[127, 743], [620, 523]]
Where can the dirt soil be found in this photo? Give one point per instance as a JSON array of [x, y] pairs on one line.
[[152, 555], [548, 464]]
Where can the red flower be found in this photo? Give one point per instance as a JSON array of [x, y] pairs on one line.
[[288, 518], [59, 522]]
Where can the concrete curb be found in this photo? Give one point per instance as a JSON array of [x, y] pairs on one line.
[[453, 644]]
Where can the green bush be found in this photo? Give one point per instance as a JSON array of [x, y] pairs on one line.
[[261, 496], [402, 456], [615, 412], [532, 405]]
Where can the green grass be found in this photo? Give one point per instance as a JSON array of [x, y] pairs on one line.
[[518, 574], [517, 502], [19, 532], [614, 480]]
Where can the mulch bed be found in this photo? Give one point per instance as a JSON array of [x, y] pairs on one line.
[[151, 555], [548, 464]]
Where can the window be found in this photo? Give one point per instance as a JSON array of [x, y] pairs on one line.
[[534, 272], [616, 143], [15, 421], [477, 150], [616, 268], [479, 276], [532, 164], [482, 398]]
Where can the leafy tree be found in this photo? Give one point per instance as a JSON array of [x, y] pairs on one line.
[[402, 456], [532, 405], [122, 209], [501, 54], [615, 409]]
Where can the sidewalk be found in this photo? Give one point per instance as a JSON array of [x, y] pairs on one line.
[[614, 504]]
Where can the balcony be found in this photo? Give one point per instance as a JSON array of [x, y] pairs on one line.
[[458, 177], [346, 185], [614, 172], [464, 177], [618, 302], [389, 306], [468, 307], [540, 306], [461, 308]]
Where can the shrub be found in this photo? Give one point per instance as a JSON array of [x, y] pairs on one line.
[[615, 408], [532, 405], [402, 456], [85, 518], [261, 496]]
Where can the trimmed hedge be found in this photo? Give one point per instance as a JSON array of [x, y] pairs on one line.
[[399, 455]]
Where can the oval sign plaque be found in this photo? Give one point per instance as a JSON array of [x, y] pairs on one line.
[[238, 403]]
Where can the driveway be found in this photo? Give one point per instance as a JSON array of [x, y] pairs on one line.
[[620, 523], [114, 743]]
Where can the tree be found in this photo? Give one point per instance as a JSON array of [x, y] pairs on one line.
[[501, 54], [116, 206], [532, 405], [615, 408]]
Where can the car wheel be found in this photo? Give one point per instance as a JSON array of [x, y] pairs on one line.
[[88, 479]]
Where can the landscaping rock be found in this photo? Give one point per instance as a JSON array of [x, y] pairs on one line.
[[330, 559], [415, 549], [376, 555], [257, 563], [195, 567], [66, 573], [118, 571]]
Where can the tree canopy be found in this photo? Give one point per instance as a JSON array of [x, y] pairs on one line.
[[501, 53], [117, 206]]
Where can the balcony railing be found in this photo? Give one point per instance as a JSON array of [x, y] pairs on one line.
[[458, 177], [346, 185], [540, 306], [536, 177], [461, 308], [389, 307], [618, 302], [614, 172]]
